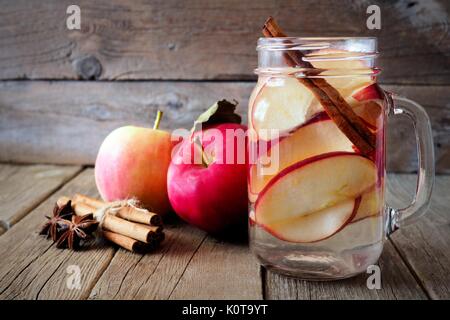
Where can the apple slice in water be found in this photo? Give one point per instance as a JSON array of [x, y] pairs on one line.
[[251, 102], [251, 217], [320, 135], [252, 197], [359, 79], [366, 227], [370, 112], [316, 226], [358, 234], [282, 104], [372, 92], [347, 63], [312, 186], [371, 204], [367, 104]]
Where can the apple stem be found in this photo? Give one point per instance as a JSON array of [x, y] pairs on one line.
[[158, 119], [205, 161]]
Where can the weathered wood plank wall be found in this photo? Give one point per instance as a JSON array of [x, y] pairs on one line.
[[193, 53], [209, 39], [65, 122]]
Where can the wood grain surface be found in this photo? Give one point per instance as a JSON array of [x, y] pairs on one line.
[[192, 265], [150, 276], [22, 188], [425, 244], [33, 268], [220, 270], [209, 39], [65, 122]]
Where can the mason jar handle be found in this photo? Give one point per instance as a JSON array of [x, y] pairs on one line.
[[425, 153]]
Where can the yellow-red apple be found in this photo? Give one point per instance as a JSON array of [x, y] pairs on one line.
[[132, 163]]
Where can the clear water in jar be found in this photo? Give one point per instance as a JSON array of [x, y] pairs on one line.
[[315, 201]]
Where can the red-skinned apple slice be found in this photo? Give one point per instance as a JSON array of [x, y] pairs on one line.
[[312, 186], [366, 226], [320, 135], [371, 204], [369, 112], [360, 79], [367, 104], [252, 197], [316, 226], [251, 217], [343, 63], [283, 103], [372, 92], [251, 102]]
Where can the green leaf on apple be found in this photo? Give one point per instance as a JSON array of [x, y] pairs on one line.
[[222, 111]]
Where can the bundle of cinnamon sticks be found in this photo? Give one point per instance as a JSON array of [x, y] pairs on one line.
[[122, 223]]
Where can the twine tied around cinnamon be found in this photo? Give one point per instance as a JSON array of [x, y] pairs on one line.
[[113, 208]]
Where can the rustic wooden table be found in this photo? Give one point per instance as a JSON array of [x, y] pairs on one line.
[[192, 265]]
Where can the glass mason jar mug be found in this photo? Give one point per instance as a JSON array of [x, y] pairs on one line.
[[316, 179]]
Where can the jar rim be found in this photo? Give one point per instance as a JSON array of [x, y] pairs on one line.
[[318, 73], [315, 43], [332, 50]]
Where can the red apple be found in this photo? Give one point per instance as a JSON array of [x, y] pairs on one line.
[[132, 163], [210, 194]]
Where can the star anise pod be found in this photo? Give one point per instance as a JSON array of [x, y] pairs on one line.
[[78, 228], [54, 226]]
